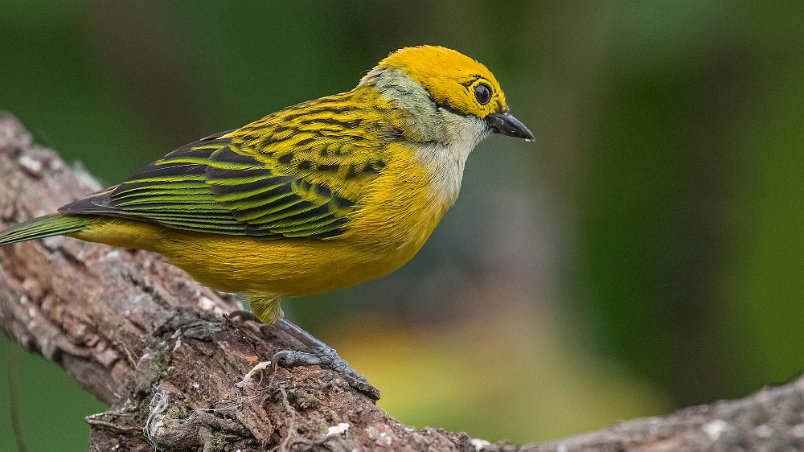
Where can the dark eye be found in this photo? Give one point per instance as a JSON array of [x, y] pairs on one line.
[[482, 93]]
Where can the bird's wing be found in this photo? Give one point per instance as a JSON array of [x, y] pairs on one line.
[[249, 182]]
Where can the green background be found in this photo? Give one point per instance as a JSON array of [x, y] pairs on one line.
[[644, 253]]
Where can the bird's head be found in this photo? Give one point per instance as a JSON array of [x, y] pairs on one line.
[[453, 82]]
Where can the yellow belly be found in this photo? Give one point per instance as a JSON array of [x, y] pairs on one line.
[[281, 267], [243, 264]]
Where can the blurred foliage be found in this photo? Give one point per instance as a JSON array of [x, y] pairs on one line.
[[644, 253]]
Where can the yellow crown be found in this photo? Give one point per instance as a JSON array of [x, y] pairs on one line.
[[449, 76]]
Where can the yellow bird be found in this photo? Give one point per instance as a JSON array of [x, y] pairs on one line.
[[315, 197]]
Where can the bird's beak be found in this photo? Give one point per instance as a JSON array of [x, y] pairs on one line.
[[505, 124]]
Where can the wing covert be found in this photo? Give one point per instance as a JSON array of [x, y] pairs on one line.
[[207, 186], [273, 204]]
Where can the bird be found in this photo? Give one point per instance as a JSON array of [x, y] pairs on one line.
[[317, 196]]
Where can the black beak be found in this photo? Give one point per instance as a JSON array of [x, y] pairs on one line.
[[506, 124]]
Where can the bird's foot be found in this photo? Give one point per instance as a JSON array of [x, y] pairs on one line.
[[318, 353], [326, 356]]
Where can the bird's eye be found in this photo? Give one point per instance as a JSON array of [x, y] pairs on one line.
[[482, 93]]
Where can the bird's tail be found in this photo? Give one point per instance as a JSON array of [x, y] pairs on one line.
[[53, 224]]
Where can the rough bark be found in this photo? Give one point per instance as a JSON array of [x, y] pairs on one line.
[[159, 349]]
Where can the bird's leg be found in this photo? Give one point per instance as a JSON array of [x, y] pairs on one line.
[[266, 309], [318, 353]]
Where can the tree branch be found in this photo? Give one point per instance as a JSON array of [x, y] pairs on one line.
[[143, 337]]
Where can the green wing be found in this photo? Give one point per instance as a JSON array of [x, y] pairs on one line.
[[217, 186], [299, 172]]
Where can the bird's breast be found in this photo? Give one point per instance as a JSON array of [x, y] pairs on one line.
[[401, 207]]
